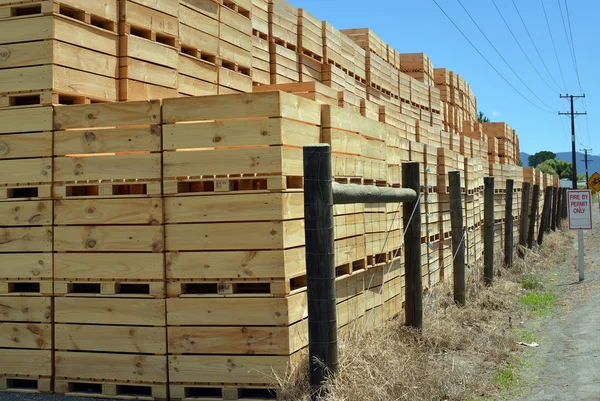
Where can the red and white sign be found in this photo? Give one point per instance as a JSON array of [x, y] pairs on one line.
[[580, 209]]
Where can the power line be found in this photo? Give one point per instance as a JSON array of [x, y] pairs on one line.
[[562, 17], [502, 57], [533, 43], [490, 64], [521, 47], [554, 45], [573, 46]]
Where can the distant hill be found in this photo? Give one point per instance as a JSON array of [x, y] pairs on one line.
[[593, 163]]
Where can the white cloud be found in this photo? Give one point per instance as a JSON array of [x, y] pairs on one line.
[[495, 113]]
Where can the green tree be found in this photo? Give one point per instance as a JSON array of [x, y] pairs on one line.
[[557, 167], [547, 167], [482, 118], [540, 157]]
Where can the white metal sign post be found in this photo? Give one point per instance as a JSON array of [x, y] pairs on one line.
[[580, 218]]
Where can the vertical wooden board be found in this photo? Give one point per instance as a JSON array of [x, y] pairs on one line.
[[243, 207], [107, 115], [241, 311], [26, 309], [108, 211], [247, 105], [228, 369], [107, 141], [26, 120], [34, 266], [94, 338], [26, 145], [110, 311], [109, 266], [218, 236], [30, 239], [236, 264], [105, 366], [25, 335], [108, 238], [25, 362], [26, 213], [110, 167], [243, 340]]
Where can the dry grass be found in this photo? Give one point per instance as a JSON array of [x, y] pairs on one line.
[[455, 357]]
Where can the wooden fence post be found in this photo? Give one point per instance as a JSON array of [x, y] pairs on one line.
[[488, 231], [320, 265], [458, 233], [524, 223], [412, 248], [508, 224], [556, 213], [554, 208], [544, 221], [533, 215]]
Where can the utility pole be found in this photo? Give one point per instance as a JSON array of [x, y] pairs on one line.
[[573, 114], [587, 173]]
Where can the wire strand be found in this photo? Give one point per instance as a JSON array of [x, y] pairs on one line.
[[523, 50], [502, 57], [554, 47], [487, 61], [573, 47]]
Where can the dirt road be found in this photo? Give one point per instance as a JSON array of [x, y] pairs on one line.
[[566, 366]]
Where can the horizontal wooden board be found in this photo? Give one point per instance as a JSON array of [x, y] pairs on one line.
[[17, 146], [30, 239], [148, 50], [144, 71], [197, 68], [107, 115], [26, 309], [227, 369], [109, 167], [110, 311], [239, 311], [218, 236], [195, 87], [242, 207], [147, 18], [105, 366], [95, 338], [26, 120], [201, 15], [199, 40], [244, 340], [130, 90], [236, 264], [34, 266], [25, 362], [26, 213], [264, 160], [170, 7], [108, 266], [107, 141], [25, 335], [249, 105], [108, 239], [26, 171], [272, 131], [108, 211]]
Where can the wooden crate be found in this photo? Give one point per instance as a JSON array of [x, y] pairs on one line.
[[310, 90], [58, 54], [99, 155], [283, 42], [368, 40], [235, 47]]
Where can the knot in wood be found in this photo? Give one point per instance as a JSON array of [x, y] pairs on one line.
[[217, 139], [91, 243], [89, 136], [4, 54], [4, 148]]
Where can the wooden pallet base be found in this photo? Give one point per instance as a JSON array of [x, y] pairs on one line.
[[25, 192], [119, 289], [107, 189], [23, 288], [192, 392], [238, 289], [238, 184], [123, 391], [26, 384]]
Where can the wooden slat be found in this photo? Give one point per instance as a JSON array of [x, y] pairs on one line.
[[140, 16], [239, 311], [143, 71], [147, 50], [26, 309], [107, 141], [26, 362], [107, 115], [105, 366], [108, 266], [26, 145], [25, 335], [217, 236], [244, 207], [96, 338], [108, 238], [26, 120], [110, 311], [251, 105], [35, 239], [34, 266], [26, 213], [170, 7], [125, 167], [108, 211]]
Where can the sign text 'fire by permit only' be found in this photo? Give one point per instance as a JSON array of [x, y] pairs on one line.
[[580, 209]]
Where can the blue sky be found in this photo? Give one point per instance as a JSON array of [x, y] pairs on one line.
[[419, 26]]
